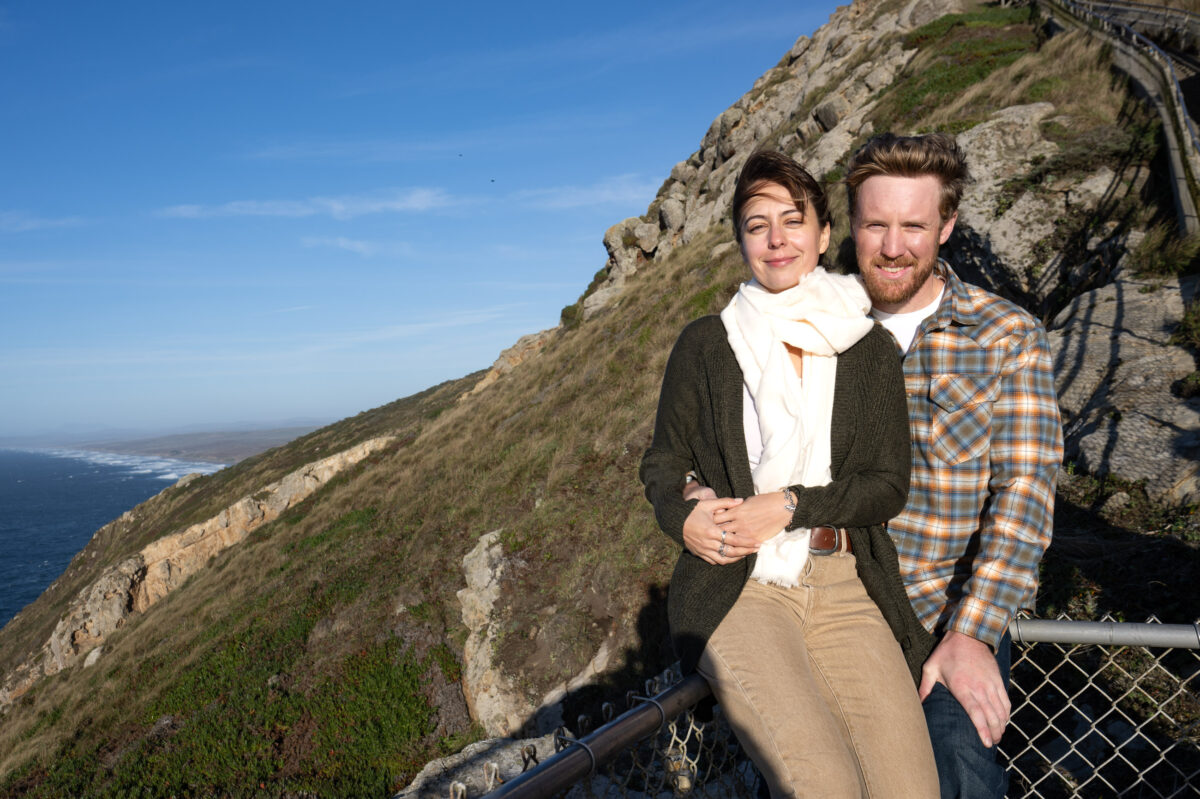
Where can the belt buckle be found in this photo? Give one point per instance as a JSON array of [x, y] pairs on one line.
[[837, 541]]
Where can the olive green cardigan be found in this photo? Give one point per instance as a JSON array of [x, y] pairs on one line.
[[699, 428]]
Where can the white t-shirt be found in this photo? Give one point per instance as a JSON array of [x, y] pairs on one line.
[[904, 325]]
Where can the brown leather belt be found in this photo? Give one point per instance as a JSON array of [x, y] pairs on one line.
[[825, 540]]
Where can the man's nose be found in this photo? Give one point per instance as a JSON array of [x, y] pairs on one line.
[[892, 245]]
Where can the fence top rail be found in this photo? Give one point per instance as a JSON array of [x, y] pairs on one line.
[[1159, 12], [1162, 12], [581, 758], [1106, 633]]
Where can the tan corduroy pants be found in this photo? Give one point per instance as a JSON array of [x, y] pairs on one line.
[[817, 691]]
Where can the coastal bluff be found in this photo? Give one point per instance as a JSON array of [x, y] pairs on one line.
[[136, 584]]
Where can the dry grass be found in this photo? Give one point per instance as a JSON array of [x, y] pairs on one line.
[[1054, 74]]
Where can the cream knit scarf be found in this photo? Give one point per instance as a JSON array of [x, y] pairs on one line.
[[822, 315]]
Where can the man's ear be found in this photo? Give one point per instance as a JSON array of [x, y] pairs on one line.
[[947, 228]]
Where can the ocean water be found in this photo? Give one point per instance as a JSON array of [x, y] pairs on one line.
[[52, 501]]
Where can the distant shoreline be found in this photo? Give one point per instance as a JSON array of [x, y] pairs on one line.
[[225, 447], [218, 447]]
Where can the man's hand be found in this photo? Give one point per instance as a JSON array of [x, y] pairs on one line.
[[967, 667]]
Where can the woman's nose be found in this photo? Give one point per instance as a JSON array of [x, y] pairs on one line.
[[775, 236]]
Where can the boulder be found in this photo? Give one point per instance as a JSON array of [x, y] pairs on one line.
[[647, 236], [671, 215], [622, 256]]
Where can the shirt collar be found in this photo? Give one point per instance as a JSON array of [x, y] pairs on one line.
[[956, 306]]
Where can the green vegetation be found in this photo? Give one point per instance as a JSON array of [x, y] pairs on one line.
[[1163, 253], [957, 52], [250, 706]]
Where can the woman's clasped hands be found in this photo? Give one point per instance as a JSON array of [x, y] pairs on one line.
[[723, 530]]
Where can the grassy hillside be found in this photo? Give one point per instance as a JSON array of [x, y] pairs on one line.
[[323, 653]]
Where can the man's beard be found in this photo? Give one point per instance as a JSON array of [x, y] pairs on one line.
[[895, 292]]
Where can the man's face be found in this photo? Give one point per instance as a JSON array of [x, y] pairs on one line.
[[897, 231]]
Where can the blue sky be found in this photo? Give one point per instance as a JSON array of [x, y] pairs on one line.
[[214, 214]]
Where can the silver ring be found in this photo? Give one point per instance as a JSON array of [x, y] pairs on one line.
[[722, 537], [721, 550]]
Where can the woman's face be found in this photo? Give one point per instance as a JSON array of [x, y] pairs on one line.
[[780, 243]]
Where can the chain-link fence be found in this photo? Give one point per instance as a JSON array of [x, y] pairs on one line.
[[1100, 710], [1114, 720]]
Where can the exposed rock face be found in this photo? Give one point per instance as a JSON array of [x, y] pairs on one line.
[[492, 696], [136, 584], [1114, 370], [997, 250], [700, 189], [527, 346]]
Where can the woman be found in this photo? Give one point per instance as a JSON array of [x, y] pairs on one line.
[[780, 447]]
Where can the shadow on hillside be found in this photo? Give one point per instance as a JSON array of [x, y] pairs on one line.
[[1096, 566], [650, 655]]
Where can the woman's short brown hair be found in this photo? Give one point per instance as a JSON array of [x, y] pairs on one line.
[[768, 166], [935, 154]]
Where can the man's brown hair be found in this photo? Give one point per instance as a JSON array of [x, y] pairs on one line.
[[768, 166], [935, 154]]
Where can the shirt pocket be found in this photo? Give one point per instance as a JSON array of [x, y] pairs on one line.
[[961, 427]]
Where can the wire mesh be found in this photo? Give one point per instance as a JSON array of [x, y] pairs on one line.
[[1088, 720], [1101, 721]]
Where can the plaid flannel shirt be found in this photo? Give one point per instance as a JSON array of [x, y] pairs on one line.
[[987, 443]]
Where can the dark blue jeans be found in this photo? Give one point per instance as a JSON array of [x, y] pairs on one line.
[[966, 768]]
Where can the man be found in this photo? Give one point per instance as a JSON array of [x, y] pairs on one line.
[[987, 442]]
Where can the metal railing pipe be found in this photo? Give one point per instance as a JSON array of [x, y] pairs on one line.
[[1105, 633], [582, 758]]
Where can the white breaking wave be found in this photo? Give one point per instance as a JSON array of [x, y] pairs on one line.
[[159, 468]]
